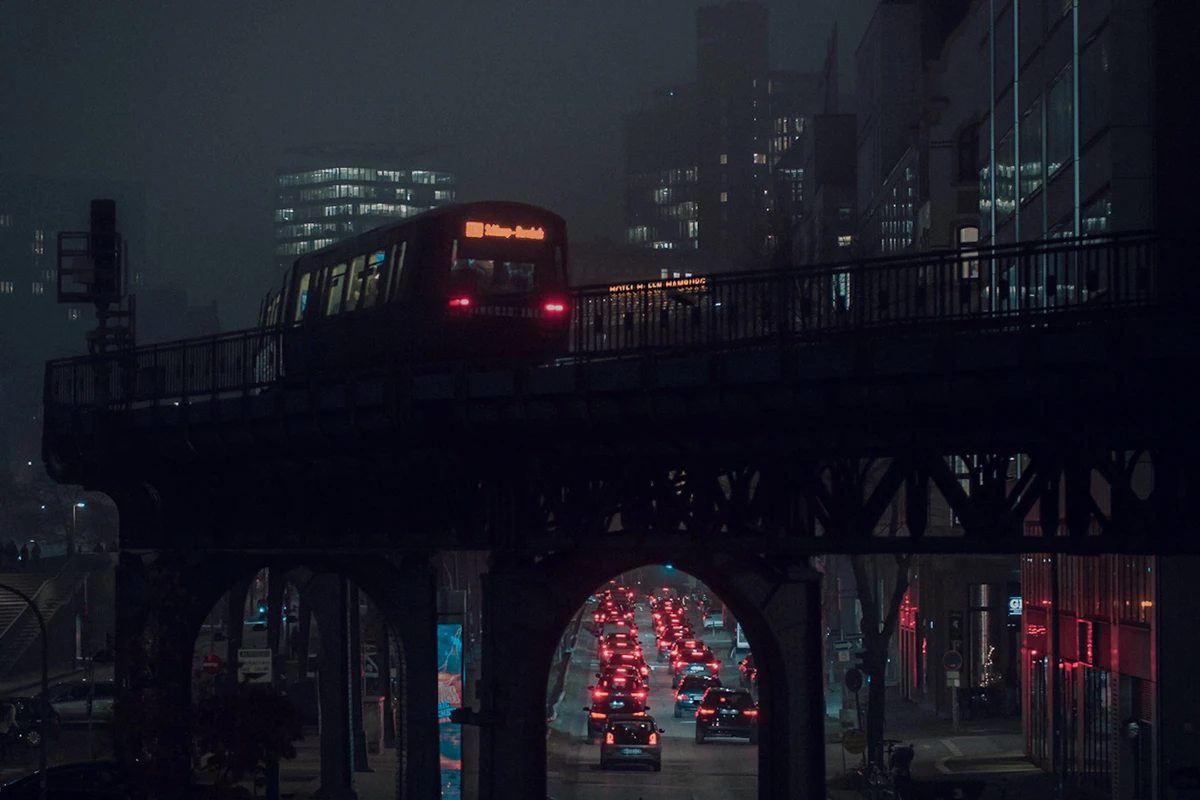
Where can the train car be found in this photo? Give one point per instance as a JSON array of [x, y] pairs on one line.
[[469, 282]]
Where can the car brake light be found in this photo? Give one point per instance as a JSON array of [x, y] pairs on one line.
[[715, 664], [599, 693], [597, 715], [751, 712], [653, 738], [639, 695], [608, 738], [555, 308], [678, 665], [460, 302], [706, 712]]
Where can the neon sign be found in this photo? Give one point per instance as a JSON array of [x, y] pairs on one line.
[[678, 284], [490, 230]]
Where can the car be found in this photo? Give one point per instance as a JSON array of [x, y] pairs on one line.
[[630, 658], [631, 740], [747, 672], [94, 780], [70, 700], [695, 661], [727, 712], [35, 718], [620, 698], [691, 689]]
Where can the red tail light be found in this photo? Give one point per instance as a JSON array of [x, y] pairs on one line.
[[639, 695], [678, 665], [555, 307], [706, 712], [597, 715], [460, 302], [715, 664], [599, 694], [751, 712], [653, 738]]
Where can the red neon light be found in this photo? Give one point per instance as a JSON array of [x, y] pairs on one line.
[[460, 302]]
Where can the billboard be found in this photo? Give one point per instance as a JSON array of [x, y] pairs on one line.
[[450, 691]]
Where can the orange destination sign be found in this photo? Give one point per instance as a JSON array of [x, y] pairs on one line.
[[480, 230]]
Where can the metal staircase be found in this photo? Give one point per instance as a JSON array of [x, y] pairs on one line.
[[18, 625]]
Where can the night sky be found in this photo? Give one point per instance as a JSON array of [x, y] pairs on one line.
[[523, 100]]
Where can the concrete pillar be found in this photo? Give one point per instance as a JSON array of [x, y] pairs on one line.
[[791, 749], [417, 740], [132, 610], [355, 674], [327, 594], [512, 747], [303, 634]]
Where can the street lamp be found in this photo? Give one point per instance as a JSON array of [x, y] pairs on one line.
[[74, 513], [45, 683]]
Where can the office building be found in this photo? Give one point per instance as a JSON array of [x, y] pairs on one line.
[[331, 193]]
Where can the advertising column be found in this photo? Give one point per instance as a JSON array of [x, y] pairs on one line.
[[450, 690]]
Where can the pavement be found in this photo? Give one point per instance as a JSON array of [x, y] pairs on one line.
[[983, 758], [29, 683]]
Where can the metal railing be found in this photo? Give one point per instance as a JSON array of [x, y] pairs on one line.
[[1020, 285], [1006, 287]]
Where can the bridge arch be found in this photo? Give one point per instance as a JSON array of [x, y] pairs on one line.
[[777, 603], [168, 600]]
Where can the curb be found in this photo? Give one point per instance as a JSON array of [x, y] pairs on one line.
[[566, 664]]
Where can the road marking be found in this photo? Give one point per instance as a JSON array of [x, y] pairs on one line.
[[952, 747], [941, 766]]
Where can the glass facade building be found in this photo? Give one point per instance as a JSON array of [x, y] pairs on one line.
[[317, 207]]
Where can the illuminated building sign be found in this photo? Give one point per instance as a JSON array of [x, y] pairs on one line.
[[677, 284], [450, 691], [490, 230], [1015, 605]]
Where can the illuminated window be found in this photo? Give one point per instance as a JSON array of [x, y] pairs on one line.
[[724, 158], [6, 220], [354, 287], [845, 241], [724, 197], [334, 293], [39, 287], [760, 158], [72, 314], [6, 287]]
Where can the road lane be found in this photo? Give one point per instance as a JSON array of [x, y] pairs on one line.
[[723, 769]]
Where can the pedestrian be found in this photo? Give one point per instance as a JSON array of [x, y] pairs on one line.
[[35, 556], [24, 556]]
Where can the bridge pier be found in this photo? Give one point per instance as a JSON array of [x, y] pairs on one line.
[[330, 600], [791, 746], [410, 606], [517, 609]]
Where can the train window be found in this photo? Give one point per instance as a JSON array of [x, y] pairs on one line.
[[354, 287], [376, 271], [334, 292], [393, 290], [302, 297], [493, 276]]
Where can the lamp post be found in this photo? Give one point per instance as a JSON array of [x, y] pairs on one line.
[[74, 513], [45, 684]]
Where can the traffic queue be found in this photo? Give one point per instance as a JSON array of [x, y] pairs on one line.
[[618, 712]]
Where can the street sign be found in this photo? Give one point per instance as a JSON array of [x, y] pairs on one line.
[[952, 661], [956, 625], [844, 655], [853, 679], [212, 664], [254, 666], [841, 645], [855, 741]]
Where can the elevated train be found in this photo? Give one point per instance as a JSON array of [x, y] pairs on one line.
[[485, 280]]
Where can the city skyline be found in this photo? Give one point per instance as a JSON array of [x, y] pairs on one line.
[[202, 110]]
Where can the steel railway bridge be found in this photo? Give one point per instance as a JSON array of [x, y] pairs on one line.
[[734, 425]]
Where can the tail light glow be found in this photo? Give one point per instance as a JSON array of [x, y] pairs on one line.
[[653, 738], [639, 695], [599, 694], [597, 715], [751, 712], [555, 307], [460, 302], [609, 739], [706, 712]]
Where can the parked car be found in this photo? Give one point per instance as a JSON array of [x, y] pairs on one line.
[[70, 700], [35, 718], [93, 780]]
